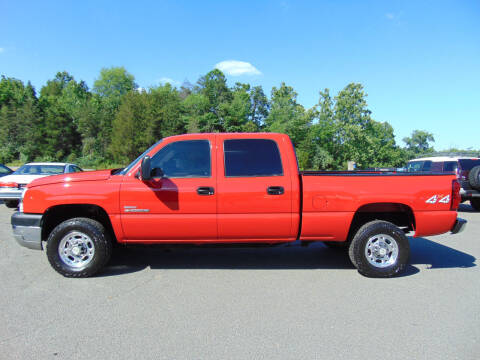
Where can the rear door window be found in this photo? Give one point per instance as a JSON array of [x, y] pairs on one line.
[[252, 157]]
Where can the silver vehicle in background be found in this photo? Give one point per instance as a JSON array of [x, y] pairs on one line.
[[12, 185]]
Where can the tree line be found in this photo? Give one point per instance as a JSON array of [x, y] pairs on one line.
[[115, 121]]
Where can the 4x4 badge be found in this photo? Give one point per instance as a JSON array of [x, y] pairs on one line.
[[439, 198]]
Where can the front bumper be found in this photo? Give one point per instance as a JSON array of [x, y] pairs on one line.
[[27, 229], [15, 194], [459, 226]]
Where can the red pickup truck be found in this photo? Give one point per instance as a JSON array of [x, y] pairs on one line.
[[232, 188]]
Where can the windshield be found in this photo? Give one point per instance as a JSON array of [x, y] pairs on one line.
[[36, 169], [129, 167], [4, 170]]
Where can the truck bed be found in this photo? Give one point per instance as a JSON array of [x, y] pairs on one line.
[[332, 198]]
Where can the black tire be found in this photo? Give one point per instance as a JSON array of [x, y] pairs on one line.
[[12, 204], [368, 236], [82, 228], [474, 177], [475, 204]]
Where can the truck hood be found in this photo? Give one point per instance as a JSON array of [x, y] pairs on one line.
[[72, 177]]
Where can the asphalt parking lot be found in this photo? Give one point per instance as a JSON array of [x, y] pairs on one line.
[[286, 302]]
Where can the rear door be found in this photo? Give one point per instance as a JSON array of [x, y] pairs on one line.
[[254, 190]]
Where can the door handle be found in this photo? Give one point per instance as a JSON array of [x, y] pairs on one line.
[[275, 190], [205, 190]]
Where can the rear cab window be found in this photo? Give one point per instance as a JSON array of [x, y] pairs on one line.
[[252, 158]]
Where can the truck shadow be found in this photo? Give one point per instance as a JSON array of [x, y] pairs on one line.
[[282, 257]]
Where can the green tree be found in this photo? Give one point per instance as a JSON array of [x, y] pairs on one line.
[[259, 106], [165, 113], [236, 112], [316, 151], [286, 115], [213, 87], [419, 143], [130, 128], [114, 82], [19, 120], [111, 86], [60, 100]]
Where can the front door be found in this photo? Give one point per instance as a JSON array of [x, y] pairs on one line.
[[181, 204]]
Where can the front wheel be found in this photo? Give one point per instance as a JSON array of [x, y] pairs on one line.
[[379, 249], [79, 247]]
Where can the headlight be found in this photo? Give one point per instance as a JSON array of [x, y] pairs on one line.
[[20, 202]]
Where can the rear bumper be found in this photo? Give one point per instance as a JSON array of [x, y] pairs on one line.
[[27, 230], [459, 226]]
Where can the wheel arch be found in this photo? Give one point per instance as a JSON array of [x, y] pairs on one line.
[[401, 215], [59, 213]]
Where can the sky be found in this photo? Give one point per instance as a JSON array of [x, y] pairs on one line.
[[419, 61]]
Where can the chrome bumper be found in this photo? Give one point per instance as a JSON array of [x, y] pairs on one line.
[[27, 230], [459, 226], [11, 195]]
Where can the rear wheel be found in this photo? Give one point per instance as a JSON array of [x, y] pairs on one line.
[[475, 204], [79, 247], [379, 249], [12, 204]]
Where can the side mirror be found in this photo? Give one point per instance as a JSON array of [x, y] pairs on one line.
[[146, 169]]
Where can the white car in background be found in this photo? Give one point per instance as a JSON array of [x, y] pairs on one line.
[[11, 186]]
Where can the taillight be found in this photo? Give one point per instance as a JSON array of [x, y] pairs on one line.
[[456, 198], [9, 185]]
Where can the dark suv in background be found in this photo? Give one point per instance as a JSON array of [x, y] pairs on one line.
[[466, 168]]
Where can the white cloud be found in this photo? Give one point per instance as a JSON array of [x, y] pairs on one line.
[[2, 50], [389, 16], [237, 68], [284, 6], [166, 80]]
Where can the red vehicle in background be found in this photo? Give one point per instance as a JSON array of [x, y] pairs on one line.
[[229, 189]]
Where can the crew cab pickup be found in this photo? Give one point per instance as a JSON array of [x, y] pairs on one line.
[[228, 189]]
